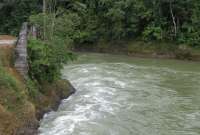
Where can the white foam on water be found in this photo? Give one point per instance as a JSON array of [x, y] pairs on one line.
[[122, 99]]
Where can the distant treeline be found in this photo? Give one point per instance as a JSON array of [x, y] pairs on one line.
[[88, 21]]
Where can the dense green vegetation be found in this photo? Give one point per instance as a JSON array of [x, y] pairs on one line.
[[88, 21], [46, 60], [46, 54], [14, 12]]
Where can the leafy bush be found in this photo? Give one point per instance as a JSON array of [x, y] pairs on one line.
[[152, 32], [41, 61], [32, 87], [46, 59], [57, 31], [183, 52], [190, 37]]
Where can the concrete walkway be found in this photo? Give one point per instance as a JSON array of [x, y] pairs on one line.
[[7, 40]]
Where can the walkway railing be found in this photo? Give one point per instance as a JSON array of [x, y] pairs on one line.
[[21, 63]]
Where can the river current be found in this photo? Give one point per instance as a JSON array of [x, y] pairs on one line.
[[119, 95]]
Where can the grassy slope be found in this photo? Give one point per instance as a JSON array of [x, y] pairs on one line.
[[19, 110], [143, 49], [12, 93]]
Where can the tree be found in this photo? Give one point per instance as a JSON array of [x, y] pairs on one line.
[[171, 20], [14, 12]]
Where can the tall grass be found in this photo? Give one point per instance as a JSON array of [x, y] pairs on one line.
[[6, 79], [11, 89], [6, 55]]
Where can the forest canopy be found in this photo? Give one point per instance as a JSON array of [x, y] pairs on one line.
[[88, 21]]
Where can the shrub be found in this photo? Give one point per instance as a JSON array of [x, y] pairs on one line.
[[153, 32], [46, 59], [32, 87]]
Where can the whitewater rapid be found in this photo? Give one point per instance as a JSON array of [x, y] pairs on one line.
[[119, 98]]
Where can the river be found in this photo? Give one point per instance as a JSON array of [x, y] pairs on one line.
[[121, 95]]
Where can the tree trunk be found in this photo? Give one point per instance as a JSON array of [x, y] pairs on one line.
[[44, 19], [44, 6], [53, 12], [173, 19]]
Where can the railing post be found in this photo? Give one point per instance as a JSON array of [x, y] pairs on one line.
[[33, 32]]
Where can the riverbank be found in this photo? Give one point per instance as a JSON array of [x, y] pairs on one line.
[[22, 104], [161, 50]]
